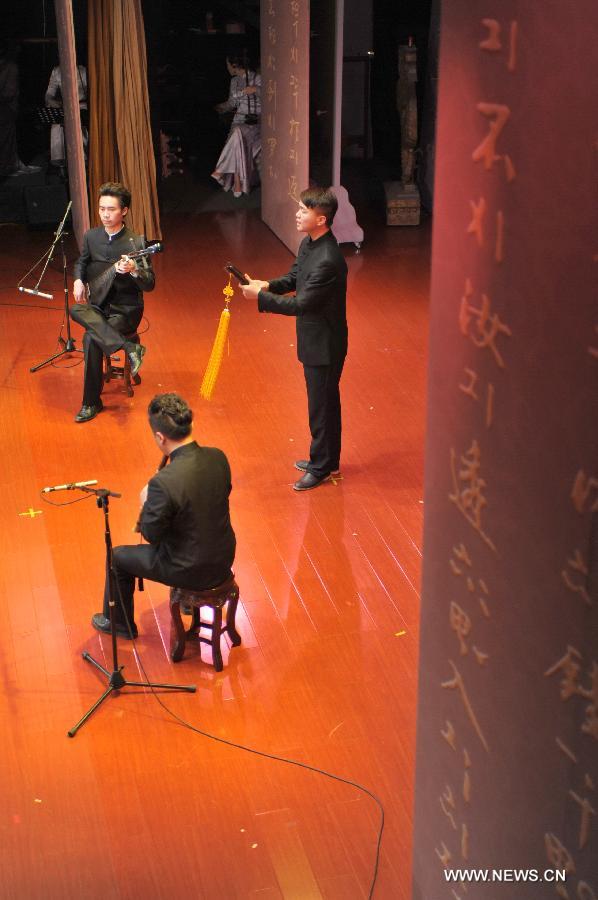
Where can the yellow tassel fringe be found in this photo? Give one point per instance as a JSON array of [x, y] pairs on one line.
[[215, 360]]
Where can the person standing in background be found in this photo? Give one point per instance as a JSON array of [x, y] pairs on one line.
[[54, 100], [238, 165]]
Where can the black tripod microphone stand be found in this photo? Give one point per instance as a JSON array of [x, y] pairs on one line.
[[116, 681], [66, 346]]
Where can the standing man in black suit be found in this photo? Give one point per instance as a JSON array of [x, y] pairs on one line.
[[184, 517], [116, 308], [319, 282]]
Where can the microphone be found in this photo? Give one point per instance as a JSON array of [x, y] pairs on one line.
[[36, 293], [69, 487]]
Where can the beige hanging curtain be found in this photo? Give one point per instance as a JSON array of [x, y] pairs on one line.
[[120, 138]]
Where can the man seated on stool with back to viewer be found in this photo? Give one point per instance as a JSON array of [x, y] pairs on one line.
[[117, 309], [185, 518]]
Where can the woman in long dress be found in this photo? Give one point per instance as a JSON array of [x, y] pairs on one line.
[[238, 165]]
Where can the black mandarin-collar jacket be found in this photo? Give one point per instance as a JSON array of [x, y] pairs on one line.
[[186, 517], [319, 280], [98, 252]]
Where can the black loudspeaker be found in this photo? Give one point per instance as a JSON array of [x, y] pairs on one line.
[[45, 204]]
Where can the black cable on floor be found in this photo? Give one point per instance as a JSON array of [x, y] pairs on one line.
[[263, 753], [66, 502]]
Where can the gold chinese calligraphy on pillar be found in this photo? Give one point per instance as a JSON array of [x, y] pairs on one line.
[[507, 755], [285, 113]]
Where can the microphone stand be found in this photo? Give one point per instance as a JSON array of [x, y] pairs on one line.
[[66, 346], [116, 681]]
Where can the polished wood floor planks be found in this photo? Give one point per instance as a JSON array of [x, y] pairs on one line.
[[136, 805]]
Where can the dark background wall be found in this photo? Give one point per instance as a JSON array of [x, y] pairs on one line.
[[393, 24], [187, 74], [186, 66]]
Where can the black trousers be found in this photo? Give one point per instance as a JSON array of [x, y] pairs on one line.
[[103, 336], [324, 407], [143, 561]]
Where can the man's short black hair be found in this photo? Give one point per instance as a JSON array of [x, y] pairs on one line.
[[240, 58], [116, 189], [171, 416], [322, 199]]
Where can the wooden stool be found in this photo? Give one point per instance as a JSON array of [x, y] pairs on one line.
[[227, 592], [115, 371]]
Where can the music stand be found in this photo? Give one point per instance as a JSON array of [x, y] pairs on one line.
[[67, 346], [116, 681], [50, 115]]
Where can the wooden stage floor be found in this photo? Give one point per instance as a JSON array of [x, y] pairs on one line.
[[137, 806]]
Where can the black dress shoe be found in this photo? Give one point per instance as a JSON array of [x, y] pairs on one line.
[[135, 352], [86, 413], [309, 481], [101, 623], [303, 465]]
